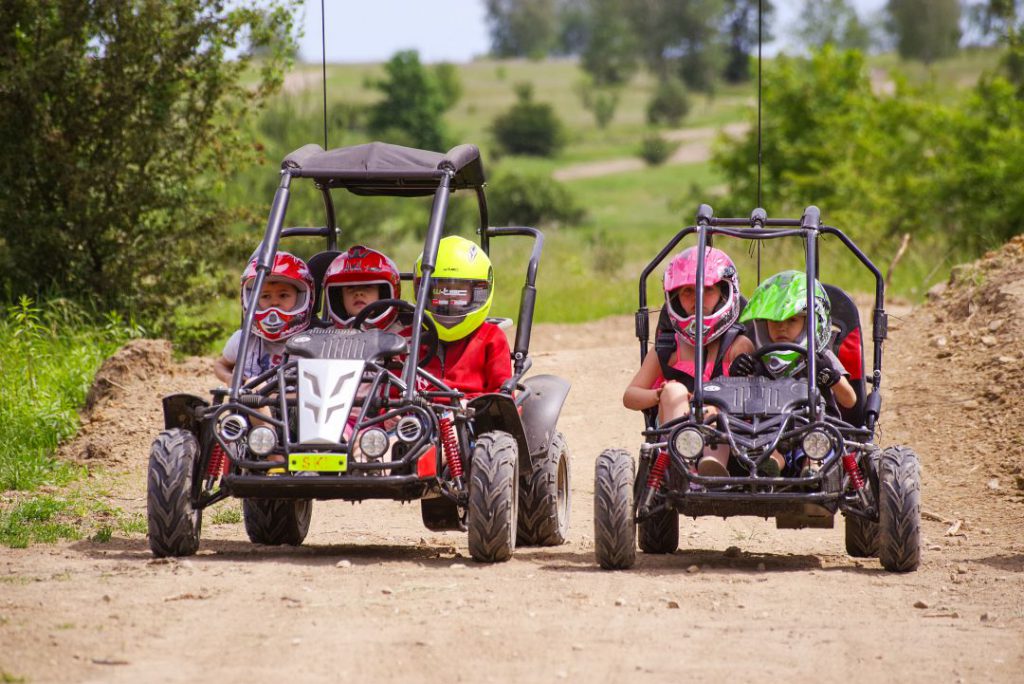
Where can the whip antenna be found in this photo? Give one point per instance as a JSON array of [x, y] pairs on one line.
[[323, 65]]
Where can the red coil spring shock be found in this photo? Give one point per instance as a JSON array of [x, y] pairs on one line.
[[450, 442], [218, 464], [853, 470], [658, 468]]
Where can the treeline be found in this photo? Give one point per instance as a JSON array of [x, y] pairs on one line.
[[703, 42]]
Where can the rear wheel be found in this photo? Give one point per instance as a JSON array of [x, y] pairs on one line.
[[441, 514], [659, 533], [493, 497], [277, 521], [899, 510], [174, 525], [544, 505], [614, 529], [862, 534]]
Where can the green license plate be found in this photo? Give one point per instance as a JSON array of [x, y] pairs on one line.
[[318, 463]]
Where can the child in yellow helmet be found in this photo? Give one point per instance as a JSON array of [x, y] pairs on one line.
[[473, 355]]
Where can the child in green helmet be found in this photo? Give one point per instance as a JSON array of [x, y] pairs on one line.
[[473, 354], [778, 313]]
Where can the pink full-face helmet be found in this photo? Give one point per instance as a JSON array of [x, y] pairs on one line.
[[718, 270], [275, 324]]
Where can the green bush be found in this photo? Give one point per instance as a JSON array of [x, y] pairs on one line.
[[530, 200], [529, 128], [670, 103], [656, 150]]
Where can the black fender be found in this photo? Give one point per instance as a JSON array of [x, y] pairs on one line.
[[541, 409], [184, 411], [499, 412]]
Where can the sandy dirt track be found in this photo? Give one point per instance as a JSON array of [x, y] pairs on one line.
[[373, 596]]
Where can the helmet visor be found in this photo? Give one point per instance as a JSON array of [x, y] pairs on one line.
[[456, 297]]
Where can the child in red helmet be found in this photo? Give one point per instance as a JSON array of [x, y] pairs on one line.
[[666, 377], [357, 278], [284, 308]]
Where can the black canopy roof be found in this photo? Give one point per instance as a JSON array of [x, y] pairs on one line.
[[383, 169]]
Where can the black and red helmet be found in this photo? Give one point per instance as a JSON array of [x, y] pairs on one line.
[[361, 266]]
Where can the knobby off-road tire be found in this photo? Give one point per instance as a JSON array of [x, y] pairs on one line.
[[861, 534], [493, 497], [174, 525], [899, 510], [544, 504], [614, 528], [659, 533], [277, 521]]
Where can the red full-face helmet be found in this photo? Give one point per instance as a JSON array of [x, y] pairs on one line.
[[719, 270], [273, 320], [362, 266]]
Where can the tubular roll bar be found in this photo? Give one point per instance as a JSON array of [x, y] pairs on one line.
[[759, 226], [528, 298], [264, 265]]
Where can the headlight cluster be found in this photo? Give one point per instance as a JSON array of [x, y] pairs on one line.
[[689, 442], [817, 444], [373, 443]]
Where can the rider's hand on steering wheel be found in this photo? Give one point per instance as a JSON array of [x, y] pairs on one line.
[[746, 365]]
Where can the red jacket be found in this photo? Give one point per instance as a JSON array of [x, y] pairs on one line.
[[477, 364]]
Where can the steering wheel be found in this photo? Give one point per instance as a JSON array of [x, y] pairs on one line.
[[429, 338], [759, 354]]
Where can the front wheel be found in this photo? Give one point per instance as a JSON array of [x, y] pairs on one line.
[[493, 497], [277, 521], [899, 510], [174, 525], [614, 526], [544, 504]]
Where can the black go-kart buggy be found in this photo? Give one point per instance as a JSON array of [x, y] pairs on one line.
[[495, 465], [877, 490]]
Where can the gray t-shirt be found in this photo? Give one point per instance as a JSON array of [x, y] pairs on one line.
[[261, 355]]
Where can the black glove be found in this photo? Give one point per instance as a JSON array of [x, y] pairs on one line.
[[746, 365], [827, 375]]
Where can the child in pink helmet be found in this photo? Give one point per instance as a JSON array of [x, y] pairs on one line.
[[357, 278], [665, 378], [284, 307]]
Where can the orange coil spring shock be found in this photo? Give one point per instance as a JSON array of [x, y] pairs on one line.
[[450, 442], [853, 470], [218, 464], [658, 470]]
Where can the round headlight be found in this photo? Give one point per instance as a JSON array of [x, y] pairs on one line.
[[816, 444], [233, 427], [409, 429], [373, 443], [689, 443], [262, 440]]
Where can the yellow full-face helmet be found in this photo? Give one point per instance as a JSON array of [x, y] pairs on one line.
[[461, 288]]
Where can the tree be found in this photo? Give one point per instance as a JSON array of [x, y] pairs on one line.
[[925, 30], [413, 104], [522, 28], [832, 22], [680, 38], [609, 56], [741, 25], [529, 127], [118, 121]]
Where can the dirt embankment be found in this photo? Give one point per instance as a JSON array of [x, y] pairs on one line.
[[374, 596]]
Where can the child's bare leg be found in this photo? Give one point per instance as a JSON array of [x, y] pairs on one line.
[[674, 401], [714, 462]]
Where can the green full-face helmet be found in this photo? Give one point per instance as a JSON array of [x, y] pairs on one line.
[[781, 297]]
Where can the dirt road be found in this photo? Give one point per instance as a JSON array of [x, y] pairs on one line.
[[373, 596]]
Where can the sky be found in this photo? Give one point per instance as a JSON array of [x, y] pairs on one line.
[[441, 30]]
